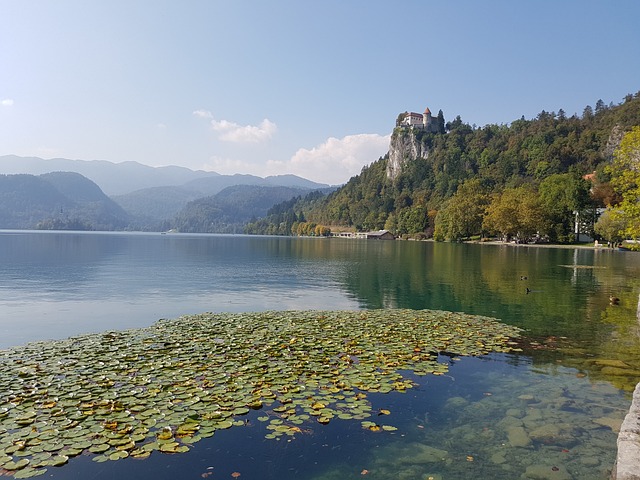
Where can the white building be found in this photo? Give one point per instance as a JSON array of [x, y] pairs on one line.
[[420, 120]]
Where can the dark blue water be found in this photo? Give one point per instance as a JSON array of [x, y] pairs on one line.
[[467, 424]]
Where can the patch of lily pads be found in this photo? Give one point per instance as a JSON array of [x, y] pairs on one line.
[[163, 388]]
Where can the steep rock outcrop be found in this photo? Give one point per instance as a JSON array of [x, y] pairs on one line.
[[613, 142], [406, 144]]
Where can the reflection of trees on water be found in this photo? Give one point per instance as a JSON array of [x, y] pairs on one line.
[[563, 312]]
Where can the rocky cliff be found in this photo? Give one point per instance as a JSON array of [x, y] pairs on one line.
[[406, 144]]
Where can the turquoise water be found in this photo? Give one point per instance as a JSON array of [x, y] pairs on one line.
[[551, 411]]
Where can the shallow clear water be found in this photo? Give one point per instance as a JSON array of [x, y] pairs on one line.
[[549, 412]]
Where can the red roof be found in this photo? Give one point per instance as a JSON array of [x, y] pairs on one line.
[[427, 111]]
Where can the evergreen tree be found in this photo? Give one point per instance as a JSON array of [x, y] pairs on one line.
[[440, 122]]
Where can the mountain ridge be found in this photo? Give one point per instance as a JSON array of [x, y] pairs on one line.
[[122, 178]]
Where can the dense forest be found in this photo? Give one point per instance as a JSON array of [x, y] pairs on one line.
[[524, 180]]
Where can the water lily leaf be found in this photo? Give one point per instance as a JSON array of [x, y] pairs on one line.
[[100, 448], [58, 460], [16, 465], [29, 472], [52, 447], [223, 425], [165, 434], [139, 454], [118, 455], [72, 452], [170, 447]]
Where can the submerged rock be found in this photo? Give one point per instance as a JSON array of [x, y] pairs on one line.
[[612, 363], [613, 423], [527, 398], [498, 458], [545, 434], [518, 437], [421, 453], [546, 472], [456, 403], [561, 434], [620, 372]]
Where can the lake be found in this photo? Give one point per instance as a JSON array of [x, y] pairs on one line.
[[550, 411]]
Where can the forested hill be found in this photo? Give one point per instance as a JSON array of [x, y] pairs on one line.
[[58, 200], [542, 160], [229, 210]]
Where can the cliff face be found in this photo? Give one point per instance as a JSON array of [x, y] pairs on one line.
[[406, 144], [613, 142]]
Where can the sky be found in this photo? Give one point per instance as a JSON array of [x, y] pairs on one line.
[[311, 88]]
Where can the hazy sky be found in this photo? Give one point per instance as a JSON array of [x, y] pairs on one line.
[[293, 86]]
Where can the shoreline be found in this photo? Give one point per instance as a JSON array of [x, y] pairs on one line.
[[582, 246]]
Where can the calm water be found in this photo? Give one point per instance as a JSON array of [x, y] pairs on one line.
[[550, 412]]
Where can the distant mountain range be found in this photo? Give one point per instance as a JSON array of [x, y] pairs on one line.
[[69, 194], [158, 203], [126, 177]]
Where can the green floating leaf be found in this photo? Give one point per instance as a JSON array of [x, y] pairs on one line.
[[58, 460], [16, 465], [29, 472], [100, 448]]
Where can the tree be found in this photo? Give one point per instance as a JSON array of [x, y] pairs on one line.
[[560, 196], [463, 214], [440, 120], [609, 228], [322, 231], [515, 212], [625, 179]]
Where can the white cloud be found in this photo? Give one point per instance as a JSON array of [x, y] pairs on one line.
[[233, 132], [6, 102], [335, 160], [202, 114]]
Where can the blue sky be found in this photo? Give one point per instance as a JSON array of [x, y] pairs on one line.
[[293, 86]]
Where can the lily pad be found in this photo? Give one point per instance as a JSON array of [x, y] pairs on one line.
[[29, 472]]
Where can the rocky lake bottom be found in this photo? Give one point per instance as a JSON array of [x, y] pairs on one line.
[[504, 424]]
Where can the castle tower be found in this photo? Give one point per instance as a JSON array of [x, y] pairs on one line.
[[426, 118]]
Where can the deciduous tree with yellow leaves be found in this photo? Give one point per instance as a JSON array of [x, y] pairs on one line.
[[625, 179]]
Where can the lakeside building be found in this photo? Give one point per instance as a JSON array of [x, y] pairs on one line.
[[378, 235]]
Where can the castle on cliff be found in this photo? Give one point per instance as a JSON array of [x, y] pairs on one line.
[[423, 121]]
